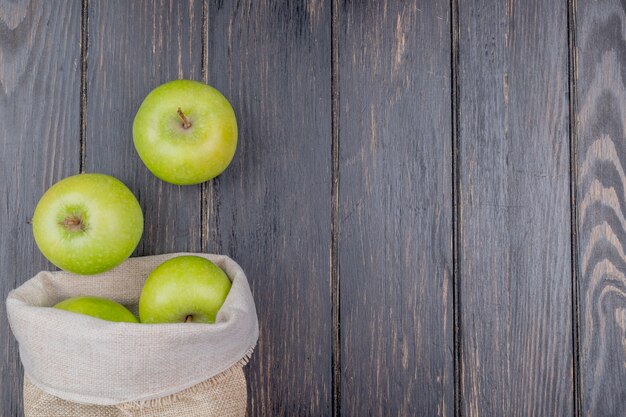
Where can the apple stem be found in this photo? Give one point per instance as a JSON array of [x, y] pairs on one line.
[[73, 223], [188, 319], [186, 123]]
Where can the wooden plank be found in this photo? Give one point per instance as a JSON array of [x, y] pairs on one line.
[[515, 241], [601, 110], [395, 199], [134, 47], [39, 145], [270, 210]]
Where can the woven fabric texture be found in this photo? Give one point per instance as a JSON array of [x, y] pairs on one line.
[[223, 396]]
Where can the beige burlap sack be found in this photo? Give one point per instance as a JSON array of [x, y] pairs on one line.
[[76, 365]]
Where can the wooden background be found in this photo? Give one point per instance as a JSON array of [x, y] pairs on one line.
[[429, 197]]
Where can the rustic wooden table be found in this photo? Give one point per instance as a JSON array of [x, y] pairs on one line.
[[428, 196]]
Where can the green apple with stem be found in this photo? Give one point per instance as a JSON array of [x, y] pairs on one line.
[[183, 289], [87, 223], [185, 132], [98, 307]]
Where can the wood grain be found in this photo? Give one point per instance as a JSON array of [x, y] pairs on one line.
[[39, 144], [515, 241], [270, 210], [132, 48], [395, 201], [601, 110]]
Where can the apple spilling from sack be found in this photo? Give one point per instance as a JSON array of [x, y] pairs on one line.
[[185, 132]]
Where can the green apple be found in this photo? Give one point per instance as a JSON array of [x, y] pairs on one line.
[[87, 223], [99, 307], [183, 289], [185, 132]]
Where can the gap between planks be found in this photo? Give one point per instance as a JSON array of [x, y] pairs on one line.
[[334, 249], [456, 210], [573, 108], [84, 45]]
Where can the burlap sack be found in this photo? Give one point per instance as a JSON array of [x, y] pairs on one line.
[[76, 365]]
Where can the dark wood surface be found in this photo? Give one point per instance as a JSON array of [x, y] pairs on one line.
[[395, 205], [600, 77], [428, 196], [514, 224]]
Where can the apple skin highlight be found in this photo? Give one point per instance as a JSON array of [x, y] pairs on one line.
[[184, 289], [185, 132]]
